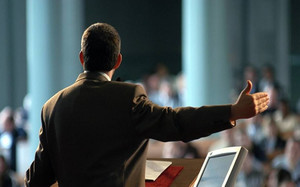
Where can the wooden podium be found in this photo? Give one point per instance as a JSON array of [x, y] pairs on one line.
[[188, 174]]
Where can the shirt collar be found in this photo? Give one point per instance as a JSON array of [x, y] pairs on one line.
[[101, 73]]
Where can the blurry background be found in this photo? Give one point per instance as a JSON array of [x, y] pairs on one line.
[[198, 52]]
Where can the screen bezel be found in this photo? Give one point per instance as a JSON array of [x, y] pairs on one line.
[[239, 156]]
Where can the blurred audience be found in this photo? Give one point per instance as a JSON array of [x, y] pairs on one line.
[[164, 89], [21, 118], [251, 174], [5, 178], [151, 84], [272, 139], [268, 84], [8, 178], [252, 170], [286, 119], [250, 73], [273, 143], [255, 129], [226, 140], [166, 96], [279, 177], [179, 149], [242, 139], [179, 89], [10, 134], [290, 159]]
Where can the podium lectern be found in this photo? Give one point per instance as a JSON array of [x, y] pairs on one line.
[[187, 175]]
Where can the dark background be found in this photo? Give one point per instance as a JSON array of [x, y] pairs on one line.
[[150, 33]]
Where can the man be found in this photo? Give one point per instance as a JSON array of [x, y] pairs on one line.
[[96, 131]]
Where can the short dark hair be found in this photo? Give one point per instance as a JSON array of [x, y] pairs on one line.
[[100, 45]]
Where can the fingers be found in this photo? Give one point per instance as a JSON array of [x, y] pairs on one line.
[[261, 108], [248, 88], [264, 100], [260, 95], [261, 104]]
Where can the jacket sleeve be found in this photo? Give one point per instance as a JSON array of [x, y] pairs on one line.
[[174, 124], [40, 173]]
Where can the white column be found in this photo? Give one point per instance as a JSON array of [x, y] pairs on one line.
[[72, 28], [205, 59], [195, 52], [53, 39]]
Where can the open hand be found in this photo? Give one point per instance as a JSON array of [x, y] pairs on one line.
[[249, 105]]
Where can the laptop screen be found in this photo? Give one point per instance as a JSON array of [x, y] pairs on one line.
[[216, 170]]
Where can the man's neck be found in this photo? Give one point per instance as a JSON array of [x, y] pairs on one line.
[[107, 75]]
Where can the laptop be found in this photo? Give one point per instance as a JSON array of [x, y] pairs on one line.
[[221, 167]]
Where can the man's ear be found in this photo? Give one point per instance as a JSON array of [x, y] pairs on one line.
[[81, 58], [118, 63]]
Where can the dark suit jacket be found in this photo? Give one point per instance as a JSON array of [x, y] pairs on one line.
[[95, 133]]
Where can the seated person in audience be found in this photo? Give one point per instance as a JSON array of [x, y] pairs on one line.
[[179, 150], [250, 73], [242, 139], [268, 84], [9, 137], [5, 179], [273, 143], [286, 120], [279, 177], [251, 174], [255, 129], [252, 171], [290, 159], [226, 139]]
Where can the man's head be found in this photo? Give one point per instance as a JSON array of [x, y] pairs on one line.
[[100, 48]]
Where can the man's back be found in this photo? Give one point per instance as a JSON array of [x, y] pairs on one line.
[[89, 136]]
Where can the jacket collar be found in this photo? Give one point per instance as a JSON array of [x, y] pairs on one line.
[[91, 76]]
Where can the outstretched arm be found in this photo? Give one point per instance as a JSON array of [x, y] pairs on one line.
[[249, 105]]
